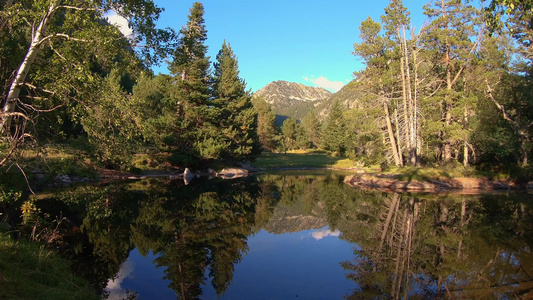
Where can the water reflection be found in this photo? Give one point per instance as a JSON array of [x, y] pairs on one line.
[[455, 247], [205, 233]]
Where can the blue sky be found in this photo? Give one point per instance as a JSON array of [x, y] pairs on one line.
[[309, 42]]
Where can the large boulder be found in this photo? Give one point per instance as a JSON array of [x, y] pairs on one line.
[[188, 175], [233, 173]]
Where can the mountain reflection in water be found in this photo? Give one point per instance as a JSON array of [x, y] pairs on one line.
[[288, 235]]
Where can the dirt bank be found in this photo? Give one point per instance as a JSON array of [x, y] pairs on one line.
[[395, 183]]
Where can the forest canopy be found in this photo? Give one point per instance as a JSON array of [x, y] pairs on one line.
[[456, 90]]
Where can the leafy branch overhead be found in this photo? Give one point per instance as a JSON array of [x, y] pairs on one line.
[[57, 24]]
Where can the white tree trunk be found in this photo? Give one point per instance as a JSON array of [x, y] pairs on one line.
[[23, 70], [390, 131]]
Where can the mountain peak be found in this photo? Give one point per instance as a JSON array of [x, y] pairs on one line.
[[277, 90], [291, 99]]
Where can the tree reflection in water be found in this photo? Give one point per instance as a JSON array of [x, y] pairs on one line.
[[454, 247], [459, 246], [195, 227], [190, 228]]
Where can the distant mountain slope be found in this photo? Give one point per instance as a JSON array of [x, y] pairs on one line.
[[349, 96], [290, 99]]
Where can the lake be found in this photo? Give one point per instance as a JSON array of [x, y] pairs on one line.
[[292, 235]]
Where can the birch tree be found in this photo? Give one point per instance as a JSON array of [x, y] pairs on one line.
[[55, 29]]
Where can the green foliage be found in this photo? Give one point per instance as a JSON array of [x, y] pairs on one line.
[[31, 271], [266, 124], [155, 107], [396, 16], [334, 130], [289, 134], [311, 128], [315, 159], [364, 138], [61, 66], [110, 124], [499, 8], [451, 89], [191, 115], [236, 117]]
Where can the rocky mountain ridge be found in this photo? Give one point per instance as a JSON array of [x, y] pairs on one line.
[[295, 100], [290, 99], [276, 90]]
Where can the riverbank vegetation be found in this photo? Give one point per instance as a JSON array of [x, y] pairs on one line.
[[303, 160], [450, 92], [454, 91], [449, 95], [30, 271]]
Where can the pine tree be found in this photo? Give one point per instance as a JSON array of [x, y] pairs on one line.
[[289, 133], [396, 16], [266, 124], [236, 116], [334, 131], [378, 78], [453, 39], [311, 128], [403, 64], [195, 136]]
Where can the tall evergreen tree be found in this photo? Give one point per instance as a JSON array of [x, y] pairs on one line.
[[236, 116], [195, 136], [452, 39], [402, 57], [396, 16], [378, 79], [289, 133], [266, 124], [334, 131], [311, 128]]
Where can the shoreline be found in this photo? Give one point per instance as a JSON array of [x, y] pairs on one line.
[[371, 180], [464, 185]]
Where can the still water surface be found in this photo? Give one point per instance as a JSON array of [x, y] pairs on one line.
[[295, 236]]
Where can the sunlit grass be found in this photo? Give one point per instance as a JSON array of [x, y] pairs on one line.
[[302, 159], [442, 173]]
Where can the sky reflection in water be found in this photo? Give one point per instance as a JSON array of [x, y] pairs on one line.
[[303, 264]]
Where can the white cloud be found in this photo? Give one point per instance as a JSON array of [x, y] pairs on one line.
[[323, 82], [320, 234], [114, 285], [120, 22]]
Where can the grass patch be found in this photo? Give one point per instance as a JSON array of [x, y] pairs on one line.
[[57, 159], [30, 271], [443, 173], [302, 159]]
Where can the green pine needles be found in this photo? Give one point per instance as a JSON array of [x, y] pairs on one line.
[[204, 115]]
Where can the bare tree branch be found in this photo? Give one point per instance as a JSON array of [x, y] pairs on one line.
[[506, 116], [12, 114], [38, 88], [42, 110], [63, 35], [26, 178], [78, 8], [469, 53], [13, 148]]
